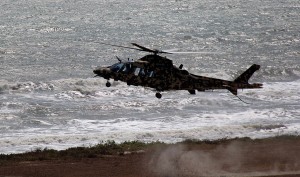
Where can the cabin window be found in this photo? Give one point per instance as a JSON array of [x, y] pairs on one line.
[[137, 71], [151, 74], [143, 72]]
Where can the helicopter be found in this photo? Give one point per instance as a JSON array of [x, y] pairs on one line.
[[159, 73]]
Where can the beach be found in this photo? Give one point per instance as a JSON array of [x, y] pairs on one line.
[[235, 157]]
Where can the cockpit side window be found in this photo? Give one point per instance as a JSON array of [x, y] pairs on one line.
[[117, 67], [126, 68]]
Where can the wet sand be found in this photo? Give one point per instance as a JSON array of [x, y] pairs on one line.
[[239, 157]]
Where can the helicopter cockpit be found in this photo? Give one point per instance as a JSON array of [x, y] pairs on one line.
[[121, 67], [128, 68]]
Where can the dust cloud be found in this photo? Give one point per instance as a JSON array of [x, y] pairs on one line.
[[231, 159]]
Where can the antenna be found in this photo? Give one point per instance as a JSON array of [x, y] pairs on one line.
[[241, 99], [119, 59]]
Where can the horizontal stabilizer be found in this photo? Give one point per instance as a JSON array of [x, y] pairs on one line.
[[244, 78]]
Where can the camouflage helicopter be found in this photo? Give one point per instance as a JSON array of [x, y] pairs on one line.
[[159, 73]]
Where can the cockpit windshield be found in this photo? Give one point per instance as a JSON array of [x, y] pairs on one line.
[[121, 67]]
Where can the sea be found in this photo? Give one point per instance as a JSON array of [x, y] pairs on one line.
[[49, 97]]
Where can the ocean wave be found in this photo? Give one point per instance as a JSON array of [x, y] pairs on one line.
[[86, 137], [281, 73], [76, 84], [89, 86], [24, 86], [50, 29]]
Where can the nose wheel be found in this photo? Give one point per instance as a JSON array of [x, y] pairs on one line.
[[158, 95], [108, 84]]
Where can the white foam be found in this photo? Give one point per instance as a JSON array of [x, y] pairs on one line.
[[139, 110], [47, 98], [278, 92], [169, 127]]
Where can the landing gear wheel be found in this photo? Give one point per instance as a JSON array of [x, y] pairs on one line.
[[108, 84], [158, 95]]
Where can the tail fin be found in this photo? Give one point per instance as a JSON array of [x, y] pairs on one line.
[[244, 78]]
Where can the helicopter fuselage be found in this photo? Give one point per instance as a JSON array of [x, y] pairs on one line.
[[160, 74]]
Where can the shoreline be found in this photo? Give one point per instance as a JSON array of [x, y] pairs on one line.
[[275, 156]]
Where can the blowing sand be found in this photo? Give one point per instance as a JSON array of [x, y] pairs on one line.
[[239, 157]]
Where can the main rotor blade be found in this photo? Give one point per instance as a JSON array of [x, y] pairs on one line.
[[196, 52], [119, 46], [144, 48], [150, 50]]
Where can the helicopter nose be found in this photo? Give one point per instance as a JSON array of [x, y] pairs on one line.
[[97, 70], [102, 72]]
